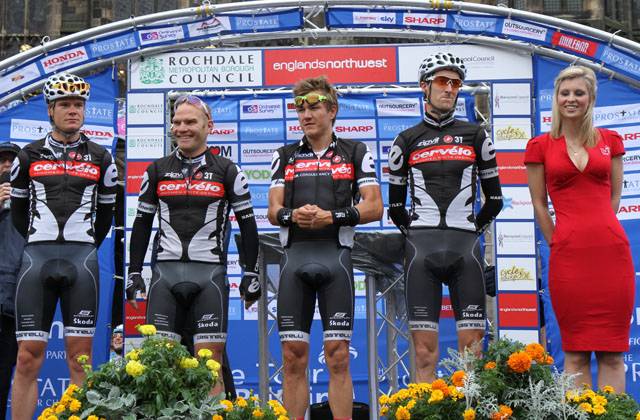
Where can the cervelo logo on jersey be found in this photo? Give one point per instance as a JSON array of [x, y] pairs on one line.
[[442, 152], [73, 168], [338, 170], [196, 188]]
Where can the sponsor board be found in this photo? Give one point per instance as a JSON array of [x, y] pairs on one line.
[[574, 44], [112, 45], [223, 131], [223, 109], [228, 150], [385, 146], [145, 142], [461, 109], [631, 184], [511, 168], [99, 134], [425, 20], [360, 285], [339, 64], [355, 129], [260, 192], [621, 60], [254, 23], [515, 238], [261, 130], [28, 129], [235, 309], [210, 26], [603, 116], [629, 209], [374, 18], [260, 109], [446, 308], [257, 174], [483, 63], [135, 172], [630, 135], [131, 211], [523, 336], [233, 264], [474, 23], [258, 152], [63, 59], [516, 274], [524, 30], [19, 77], [545, 98], [290, 108], [511, 98], [516, 203], [160, 35], [389, 128], [631, 160], [294, 131], [99, 113], [356, 107], [145, 108], [398, 107], [518, 310], [261, 220], [511, 133], [198, 69]]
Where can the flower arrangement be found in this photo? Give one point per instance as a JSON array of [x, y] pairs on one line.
[[510, 381], [159, 380]]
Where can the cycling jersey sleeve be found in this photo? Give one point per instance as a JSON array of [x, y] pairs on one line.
[[20, 193], [365, 167], [106, 197], [147, 206], [237, 187], [277, 169], [398, 173], [489, 180]]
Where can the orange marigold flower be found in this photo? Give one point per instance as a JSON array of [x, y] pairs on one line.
[[504, 413], [441, 385], [535, 351], [458, 377], [519, 362], [490, 365]]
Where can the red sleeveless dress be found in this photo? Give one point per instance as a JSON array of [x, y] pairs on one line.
[[591, 273]]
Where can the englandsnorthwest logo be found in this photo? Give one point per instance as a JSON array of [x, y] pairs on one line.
[[152, 71]]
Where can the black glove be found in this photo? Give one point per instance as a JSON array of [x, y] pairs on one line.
[[135, 282], [250, 289], [490, 280]]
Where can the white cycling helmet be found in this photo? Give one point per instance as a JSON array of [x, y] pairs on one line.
[[65, 85], [441, 61]]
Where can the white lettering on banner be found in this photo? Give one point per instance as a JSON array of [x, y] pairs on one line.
[[258, 152], [524, 30], [318, 64], [224, 131], [63, 59], [155, 36], [202, 69], [398, 107], [483, 63], [630, 135], [629, 209], [355, 129], [427, 20], [19, 77], [621, 60], [103, 135], [461, 108], [28, 129], [475, 23], [372, 18]]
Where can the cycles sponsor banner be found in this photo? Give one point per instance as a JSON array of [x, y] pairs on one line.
[[145, 108], [103, 135], [223, 109], [99, 113], [160, 35], [23, 129], [474, 23], [516, 274], [357, 107], [357, 65], [524, 30], [355, 129], [135, 172], [625, 62], [574, 44], [259, 193], [511, 133], [389, 128], [516, 204], [198, 70], [603, 116]]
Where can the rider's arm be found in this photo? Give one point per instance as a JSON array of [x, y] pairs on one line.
[[106, 198], [20, 193], [240, 199], [489, 180], [147, 206], [398, 172]]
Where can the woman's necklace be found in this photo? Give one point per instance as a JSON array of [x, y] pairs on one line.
[[573, 150]]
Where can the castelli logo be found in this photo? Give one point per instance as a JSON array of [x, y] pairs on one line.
[[80, 169]]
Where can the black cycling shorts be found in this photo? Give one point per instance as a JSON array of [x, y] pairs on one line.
[[452, 257], [52, 271], [311, 269], [194, 291]]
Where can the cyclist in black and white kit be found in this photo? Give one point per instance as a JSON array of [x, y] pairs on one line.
[[321, 188], [62, 197], [192, 190], [441, 158]]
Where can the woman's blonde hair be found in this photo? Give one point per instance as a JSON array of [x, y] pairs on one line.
[[587, 131]]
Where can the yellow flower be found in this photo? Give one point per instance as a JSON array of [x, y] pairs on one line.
[[384, 399], [458, 378], [586, 407], [74, 418], [436, 395], [441, 385], [535, 351], [384, 410], [74, 406], [46, 412], [133, 355], [217, 417], [598, 410], [519, 362], [599, 400], [205, 353], [134, 368], [188, 363], [82, 359], [402, 414], [92, 417], [257, 413], [146, 329], [52, 417], [212, 365], [638, 415], [608, 389], [228, 405], [490, 365], [241, 402], [59, 409], [283, 418], [411, 404], [71, 389], [469, 414]]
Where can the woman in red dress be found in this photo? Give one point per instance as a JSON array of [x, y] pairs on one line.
[[591, 274]]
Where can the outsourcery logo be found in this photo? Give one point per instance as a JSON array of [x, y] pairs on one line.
[[258, 152], [28, 129], [524, 30], [431, 20], [352, 351], [398, 107], [355, 129], [63, 59], [631, 160], [442, 152]]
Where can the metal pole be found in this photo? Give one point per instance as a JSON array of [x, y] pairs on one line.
[[372, 346], [263, 334], [392, 342]]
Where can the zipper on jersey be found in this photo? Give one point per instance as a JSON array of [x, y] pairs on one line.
[[65, 185]]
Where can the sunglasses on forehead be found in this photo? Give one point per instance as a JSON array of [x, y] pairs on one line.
[[310, 98], [443, 82], [192, 100], [71, 86]]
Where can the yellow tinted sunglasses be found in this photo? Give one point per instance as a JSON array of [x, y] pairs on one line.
[[311, 99]]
